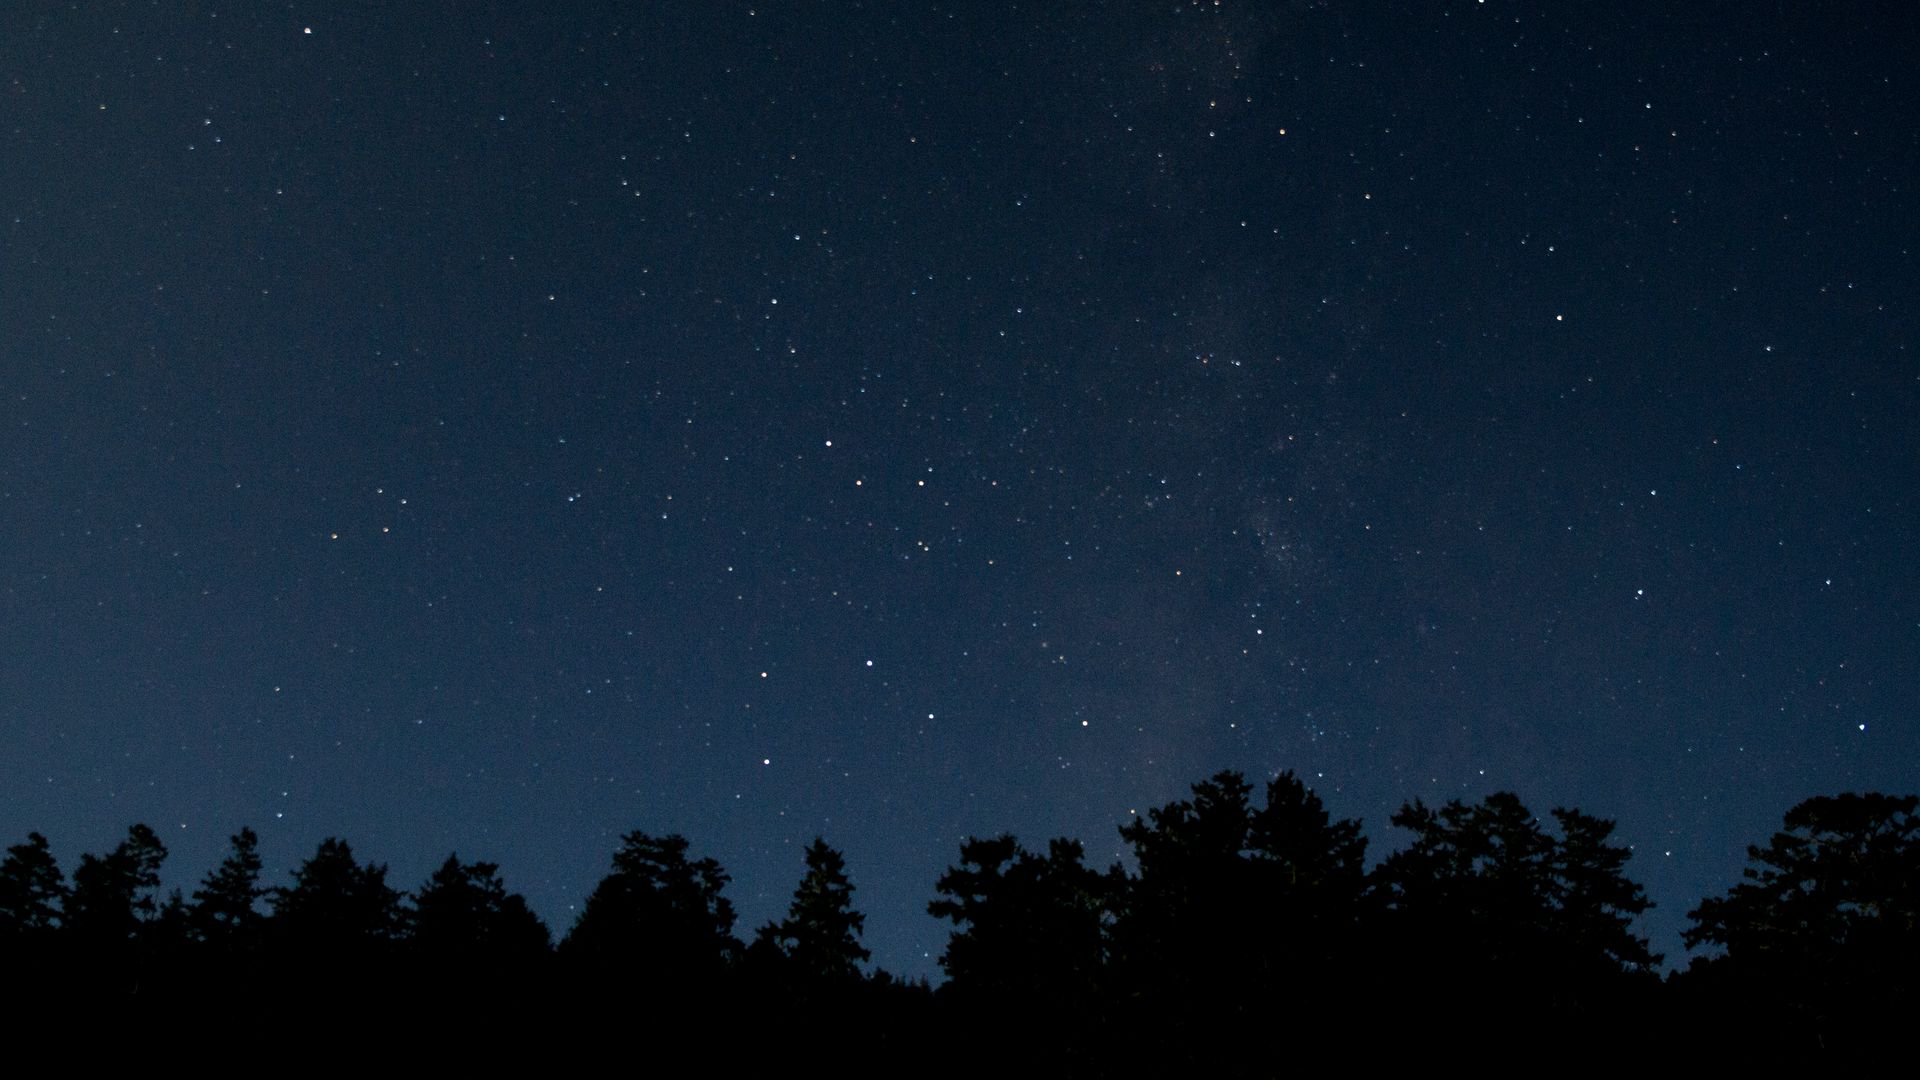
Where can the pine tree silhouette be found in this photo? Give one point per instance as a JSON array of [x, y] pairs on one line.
[[335, 930], [1822, 937], [1239, 916], [32, 891], [1486, 898], [820, 937], [225, 916], [464, 917], [1026, 927], [657, 924], [110, 911]]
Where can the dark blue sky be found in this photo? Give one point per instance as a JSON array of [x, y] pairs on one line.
[[496, 428]]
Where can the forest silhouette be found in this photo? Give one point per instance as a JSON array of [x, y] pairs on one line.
[[1248, 938]]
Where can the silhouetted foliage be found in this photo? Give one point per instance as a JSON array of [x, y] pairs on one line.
[[1241, 943], [1842, 878], [1318, 861], [1026, 926], [1216, 865], [1479, 869], [167, 937], [1236, 912], [337, 914], [1594, 901], [32, 891], [225, 913], [657, 918], [819, 940], [801, 975], [1822, 937], [114, 893], [1489, 900], [1026, 956], [465, 917], [110, 914], [1491, 877]]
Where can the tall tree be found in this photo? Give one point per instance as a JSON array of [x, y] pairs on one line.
[[658, 917], [463, 915], [1822, 935], [1595, 902], [1217, 876], [820, 937], [1027, 954], [114, 893], [1489, 878], [110, 922], [337, 912], [1488, 897], [225, 914], [1218, 848], [1476, 878], [1027, 927], [1841, 878], [1238, 914], [1294, 837], [32, 891]]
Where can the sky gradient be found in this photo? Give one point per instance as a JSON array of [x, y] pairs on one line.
[[494, 428]]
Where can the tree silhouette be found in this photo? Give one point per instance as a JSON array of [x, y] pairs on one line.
[[1843, 877], [1490, 877], [110, 914], [1594, 902], [1822, 935], [820, 937], [225, 915], [657, 919], [1215, 865], [1490, 900], [167, 940], [1027, 927], [114, 893], [1237, 915], [1026, 956], [1243, 938], [1485, 868], [464, 917], [1294, 838], [32, 891], [337, 915]]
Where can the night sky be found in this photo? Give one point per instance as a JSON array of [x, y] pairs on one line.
[[496, 428]]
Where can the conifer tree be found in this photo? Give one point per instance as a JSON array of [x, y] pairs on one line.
[[1027, 927], [1237, 914], [1840, 880], [337, 910], [1594, 901], [32, 891], [225, 913], [464, 914], [1822, 937], [114, 893], [820, 937], [1491, 899], [659, 914]]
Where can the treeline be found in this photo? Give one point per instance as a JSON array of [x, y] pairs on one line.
[[1250, 937]]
